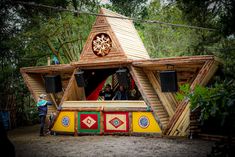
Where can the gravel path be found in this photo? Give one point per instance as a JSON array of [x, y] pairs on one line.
[[29, 144]]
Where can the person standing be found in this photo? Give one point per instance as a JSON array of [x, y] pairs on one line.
[[42, 111]]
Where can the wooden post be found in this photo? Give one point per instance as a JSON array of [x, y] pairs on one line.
[[101, 121], [130, 123], [53, 99], [75, 124], [205, 73]]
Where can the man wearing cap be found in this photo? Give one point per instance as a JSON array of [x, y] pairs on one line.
[[42, 110]]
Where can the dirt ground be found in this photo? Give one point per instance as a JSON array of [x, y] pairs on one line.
[[29, 144]]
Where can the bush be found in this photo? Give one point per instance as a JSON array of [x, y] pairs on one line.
[[216, 102]]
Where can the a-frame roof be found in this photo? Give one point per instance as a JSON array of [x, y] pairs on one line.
[[126, 42]]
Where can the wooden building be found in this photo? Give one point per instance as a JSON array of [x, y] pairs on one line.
[[114, 44]]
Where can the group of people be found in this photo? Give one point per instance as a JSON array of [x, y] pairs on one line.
[[108, 94]]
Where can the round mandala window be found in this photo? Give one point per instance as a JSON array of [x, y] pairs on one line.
[[65, 121], [143, 122], [101, 44]]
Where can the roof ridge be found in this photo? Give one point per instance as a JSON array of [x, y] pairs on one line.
[[106, 11]]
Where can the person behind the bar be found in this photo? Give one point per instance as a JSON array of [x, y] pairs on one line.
[[107, 93], [42, 111], [121, 94]]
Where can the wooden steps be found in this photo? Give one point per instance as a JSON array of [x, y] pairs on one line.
[[149, 95]]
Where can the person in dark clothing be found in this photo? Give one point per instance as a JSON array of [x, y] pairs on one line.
[[7, 149], [107, 94], [42, 111], [121, 94]]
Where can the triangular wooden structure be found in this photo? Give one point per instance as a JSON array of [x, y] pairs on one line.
[[126, 43], [126, 50], [34, 80]]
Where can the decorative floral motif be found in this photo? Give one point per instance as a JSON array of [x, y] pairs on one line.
[[101, 44]]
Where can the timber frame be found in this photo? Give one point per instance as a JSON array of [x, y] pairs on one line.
[[172, 116]]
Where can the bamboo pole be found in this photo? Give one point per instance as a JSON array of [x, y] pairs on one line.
[[54, 101]]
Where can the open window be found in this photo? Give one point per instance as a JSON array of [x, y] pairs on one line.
[[95, 81]]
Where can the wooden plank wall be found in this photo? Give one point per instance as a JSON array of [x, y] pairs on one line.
[[126, 43], [149, 95], [127, 36], [102, 26], [194, 126], [168, 99], [36, 86], [179, 123], [73, 92]]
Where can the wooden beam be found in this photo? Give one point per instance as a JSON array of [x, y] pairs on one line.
[[75, 124], [101, 65], [174, 60], [25, 77], [169, 106], [47, 69], [53, 99], [204, 75], [144, 94]]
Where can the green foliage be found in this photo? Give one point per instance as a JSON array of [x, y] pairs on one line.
[[210, 13], [166, 41], [216, 101], [25, 36], [63, 36], [130, 8]]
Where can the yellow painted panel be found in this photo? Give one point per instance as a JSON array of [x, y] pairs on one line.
[[65, 122], [144, 122]]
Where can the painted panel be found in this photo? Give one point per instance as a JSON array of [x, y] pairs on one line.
[[116, 122], [89, 122], [144, 122], [65, 122]]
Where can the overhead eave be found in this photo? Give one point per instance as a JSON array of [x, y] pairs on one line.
[[186, 60], [99, 64], [48, 69]]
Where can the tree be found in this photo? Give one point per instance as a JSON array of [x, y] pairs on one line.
[[210, 13], [166, 41], [24, 30], [215, 14], [62, 36], [130, 8]]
